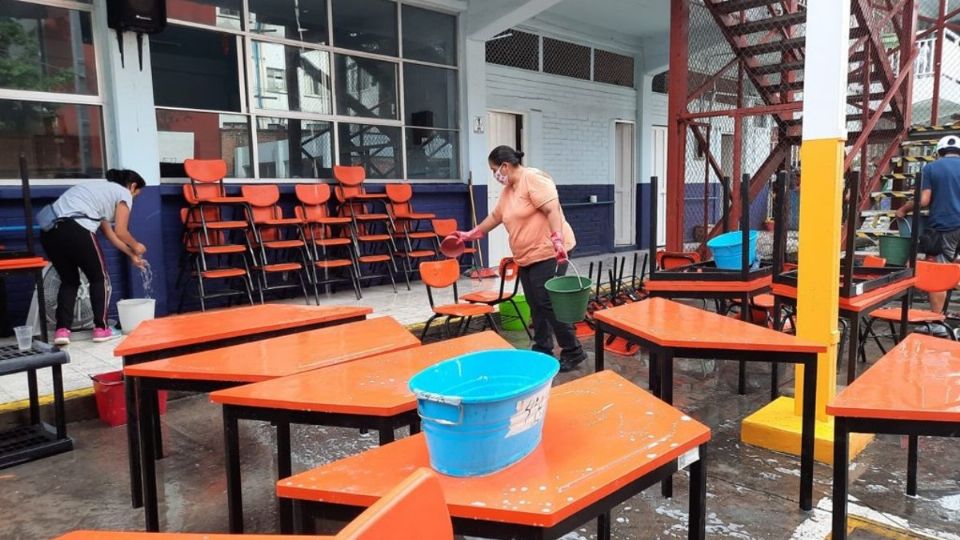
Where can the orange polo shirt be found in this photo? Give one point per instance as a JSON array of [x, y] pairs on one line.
[[528, 228]]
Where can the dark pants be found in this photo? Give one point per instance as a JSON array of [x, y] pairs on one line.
[[72, 249], [545, 324]]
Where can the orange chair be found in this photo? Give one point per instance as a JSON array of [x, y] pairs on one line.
[[327, 235], [278, 242], [443, 274], [872, 261], [413, 510], [509, 271], [668, 260], [407, 223], [931, 278], [210, 256], [443, 228]]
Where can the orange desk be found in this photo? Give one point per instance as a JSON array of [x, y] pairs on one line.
[[853, 310], [670, 330], [195, 332], [912, 390], [130, 535], [604, 441], [249, 362], [370, 393]]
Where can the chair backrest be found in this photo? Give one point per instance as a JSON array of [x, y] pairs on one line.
[[509, 269], [206, 171], [667, 260], [352, 176], [263, 201], [872, 261], [937, 277], [413, 510], [444, 227], [196, 193], [440, 274], [312, 194], [399, 193]]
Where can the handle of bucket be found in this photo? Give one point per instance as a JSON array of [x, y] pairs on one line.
[[444, 400], [571, 265]]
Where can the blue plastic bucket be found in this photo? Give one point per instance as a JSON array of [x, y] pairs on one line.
[[482, 412], [727, 248]]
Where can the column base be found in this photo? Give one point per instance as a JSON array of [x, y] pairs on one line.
[[777, 427]]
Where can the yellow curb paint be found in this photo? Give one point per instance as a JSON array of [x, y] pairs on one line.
[[881, 530], [24, 404]]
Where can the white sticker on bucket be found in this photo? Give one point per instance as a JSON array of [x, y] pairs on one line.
[[529, 412], [688, 458]]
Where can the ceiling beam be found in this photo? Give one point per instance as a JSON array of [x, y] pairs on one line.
[[487, 18]]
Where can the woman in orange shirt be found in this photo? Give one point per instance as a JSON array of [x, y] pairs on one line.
[[540, 239]]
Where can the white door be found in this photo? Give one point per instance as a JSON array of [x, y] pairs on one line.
[[625, 185], [502, 129], [659, 150]]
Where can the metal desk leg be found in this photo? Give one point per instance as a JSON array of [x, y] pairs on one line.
[[698, 497], [387, 434], [841, 465], [853, 350], [598, 350], [133, 444], [147, 463], [34, 397], [654, 382], [284, 470], [742, 374], [157, 432], [59, 412], [666, 394], [231, 450], [912, 450], [774, 381], [905, 314], [808, 431], [41, 305], [603, 526]]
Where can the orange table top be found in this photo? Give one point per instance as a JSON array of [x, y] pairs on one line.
[[678, 285], [919, 379], [600, 433], [132, 535], [285, 355], [671, 324], [193, 328], [24, 263], [857, 303], [376, 385]]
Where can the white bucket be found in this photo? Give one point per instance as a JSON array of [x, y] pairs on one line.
[[134, 311]]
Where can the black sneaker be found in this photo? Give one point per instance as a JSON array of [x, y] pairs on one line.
[[571, 362]]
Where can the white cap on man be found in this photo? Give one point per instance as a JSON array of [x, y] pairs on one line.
[[950, 142]]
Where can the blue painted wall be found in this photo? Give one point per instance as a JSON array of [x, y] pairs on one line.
[[592, 224]]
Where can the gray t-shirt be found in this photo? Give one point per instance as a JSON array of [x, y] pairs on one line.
[[97, 200]]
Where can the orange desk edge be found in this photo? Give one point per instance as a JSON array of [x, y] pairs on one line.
[[28, 263], [670, 285], [671, 324], [602, 400], [193, 328], [856, 303], [917, 380], [132, 535]]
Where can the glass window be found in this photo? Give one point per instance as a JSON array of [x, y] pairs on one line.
[[291, 148], [302, 20], [219, 13], [58, 140], [432, 154], [290, 78], [429, 36], [189, 134], [377, 148], [366, 25], [46, 49], [196, 69], [565, 58], [431, 96], [366, 87]]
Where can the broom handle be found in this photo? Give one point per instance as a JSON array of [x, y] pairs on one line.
[[473, 218]]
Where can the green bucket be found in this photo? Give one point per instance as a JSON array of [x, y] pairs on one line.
[[569, 296], [895, 249], [509, 318]]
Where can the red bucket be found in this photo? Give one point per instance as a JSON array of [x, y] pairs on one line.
[[111, 401]]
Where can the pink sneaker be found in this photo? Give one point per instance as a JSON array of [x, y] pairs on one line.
[[104, 334], [61, 336]]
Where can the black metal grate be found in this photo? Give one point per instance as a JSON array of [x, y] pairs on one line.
[[612, 68], [9, 352], [24, 438], [514, 48], [565, 58]]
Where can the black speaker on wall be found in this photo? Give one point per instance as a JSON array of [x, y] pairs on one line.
[[140, 16]]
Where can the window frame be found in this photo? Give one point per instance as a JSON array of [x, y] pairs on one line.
[[246, 83], [66, 98]]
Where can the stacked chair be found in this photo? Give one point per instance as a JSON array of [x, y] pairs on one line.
[[408, 223], [445, 227], [329, 238]]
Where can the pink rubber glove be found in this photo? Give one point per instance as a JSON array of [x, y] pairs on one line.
[[471, 235], [557, 240]]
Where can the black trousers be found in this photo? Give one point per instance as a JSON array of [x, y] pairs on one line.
[[545, 324], [72, 249]]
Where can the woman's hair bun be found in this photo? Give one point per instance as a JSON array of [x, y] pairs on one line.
[[520, 155]]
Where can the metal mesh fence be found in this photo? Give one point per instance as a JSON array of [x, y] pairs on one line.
[[515, 49], [565, 58], [930, 90], [613, 68]]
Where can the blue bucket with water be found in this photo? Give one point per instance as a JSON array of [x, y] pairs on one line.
[[482, 412], [727, 249]]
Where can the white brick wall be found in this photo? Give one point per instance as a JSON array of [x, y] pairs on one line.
[[575, 133]]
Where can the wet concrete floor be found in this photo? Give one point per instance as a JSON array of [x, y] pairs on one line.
[[752, 493]]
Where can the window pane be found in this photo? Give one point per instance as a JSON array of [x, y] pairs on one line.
[[431, 96], [196, 69], [219, 13], [565, 58], [290, 78], [433, 154], [302, 20], [429, 36], [365, 25], [47, 49], [291, 148], [59, 141], [366, 87], [515, 49], [377, 148], [187, 134]]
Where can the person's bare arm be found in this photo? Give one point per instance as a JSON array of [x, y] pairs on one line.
[[122, 220], [554, 215], [908, 207], [489, 223]]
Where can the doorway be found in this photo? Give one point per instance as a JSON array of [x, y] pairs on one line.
[[625, 185], [659, 152], [503, 128]]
